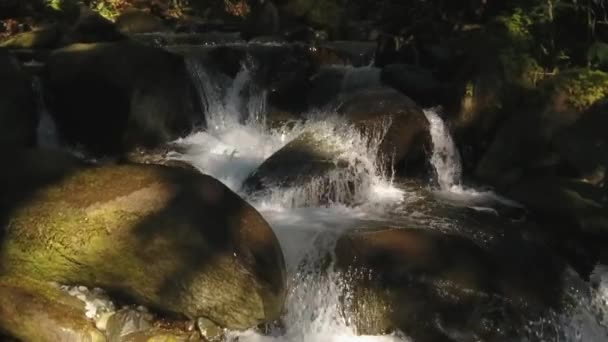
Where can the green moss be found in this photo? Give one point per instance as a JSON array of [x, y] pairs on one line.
[[517, 26], [583, 87]]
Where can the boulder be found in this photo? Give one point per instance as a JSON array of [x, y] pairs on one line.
[[435, 286], [42, 38], [171, 239], [316, 168], [113, 97], [132, 22], [18, 112], [565, 203], [407, 129], [526, 145], [35, 311]]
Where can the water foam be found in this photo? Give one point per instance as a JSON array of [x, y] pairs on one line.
[[236, 142]]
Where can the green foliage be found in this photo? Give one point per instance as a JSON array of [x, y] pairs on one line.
[[583, 87], [518, 26]]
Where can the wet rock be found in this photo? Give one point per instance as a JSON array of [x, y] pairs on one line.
[[18, 112], [435, 286], [262, 21], [43, 38], [316, 169], [33, 311], [167, 238], [407, 129], [133, 21], [113, 97], [355, 54], [565, 203]]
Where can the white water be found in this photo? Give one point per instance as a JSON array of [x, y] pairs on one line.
[[238, 140]]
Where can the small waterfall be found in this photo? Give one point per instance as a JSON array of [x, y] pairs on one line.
[[445, 158], [46, 132]]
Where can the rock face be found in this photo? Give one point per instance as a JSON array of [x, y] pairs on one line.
[[18, 113], [167, 238], [434, 286], [113, 97], [407, 129]]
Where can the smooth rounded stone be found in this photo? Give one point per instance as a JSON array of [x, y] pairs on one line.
[[314, 166], [407, 129], [43, 38], [18, 113], [36, 311], [134, 21], [435, 286], [167, 238], [113, 97], [565, 202]]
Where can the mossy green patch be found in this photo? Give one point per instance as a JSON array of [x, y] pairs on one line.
[[583, 87]]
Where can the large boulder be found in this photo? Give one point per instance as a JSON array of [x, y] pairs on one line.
[[435, 286], [407, 129], [317, 169], [113, 97], [42, 38], [167, 238], [525, 144], [565, 203], [18, 112], [263, 20]]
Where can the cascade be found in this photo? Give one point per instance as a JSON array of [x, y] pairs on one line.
[[238, 140]]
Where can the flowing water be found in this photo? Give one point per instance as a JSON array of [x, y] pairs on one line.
[[238, 140]]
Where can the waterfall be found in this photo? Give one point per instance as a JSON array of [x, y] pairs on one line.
[[46, 132], [238, 140], [445, 158]]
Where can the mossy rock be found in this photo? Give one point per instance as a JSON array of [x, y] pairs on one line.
[[132, 22], [580, 87], [167, 238], [39, 311], [43, 38]]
